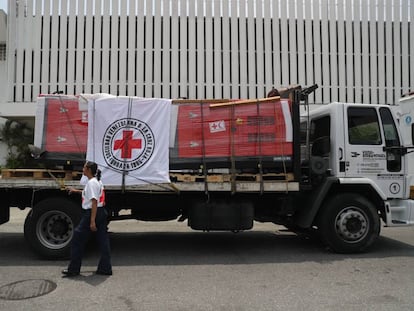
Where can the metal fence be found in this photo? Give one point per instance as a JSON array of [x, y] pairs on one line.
[[355, 50]]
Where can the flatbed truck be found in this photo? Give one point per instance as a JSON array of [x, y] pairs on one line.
[[351, 172]]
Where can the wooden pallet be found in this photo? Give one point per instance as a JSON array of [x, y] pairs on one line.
[[265, 177], [175, 177], [219, 178], [40, 174], [178, 177]]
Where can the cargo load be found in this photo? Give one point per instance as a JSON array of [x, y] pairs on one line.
[[243, 135], [61, 129]]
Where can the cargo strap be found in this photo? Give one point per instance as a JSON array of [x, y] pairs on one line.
[[232, 105], [259, 139], [66, 114], [124, 172], [203, 151], [233, 160], [284, 164], [59, 181]]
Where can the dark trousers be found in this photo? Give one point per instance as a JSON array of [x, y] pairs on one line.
[[81, 236]]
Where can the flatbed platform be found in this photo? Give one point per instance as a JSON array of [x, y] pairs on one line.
[[60, 179]]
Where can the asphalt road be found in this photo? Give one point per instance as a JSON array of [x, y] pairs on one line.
[[166, 266]]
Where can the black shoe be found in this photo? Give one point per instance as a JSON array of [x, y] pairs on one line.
[[68, 273], [103, 272]]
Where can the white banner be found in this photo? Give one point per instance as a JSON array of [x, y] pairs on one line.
[[128, 137]]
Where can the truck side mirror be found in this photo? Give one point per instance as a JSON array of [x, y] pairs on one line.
[[321, 146]]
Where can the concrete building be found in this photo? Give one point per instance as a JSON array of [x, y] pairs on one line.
[[3, 77], [356, 51], [3, 42]]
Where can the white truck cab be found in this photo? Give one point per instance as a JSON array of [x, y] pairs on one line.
[[369, 148]]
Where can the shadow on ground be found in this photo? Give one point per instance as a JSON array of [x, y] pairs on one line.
[[204, 248]]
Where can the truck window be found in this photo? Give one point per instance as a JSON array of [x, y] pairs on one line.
[[319, 128], [390, 130], [391, 140], [303, 130], [363, 126]]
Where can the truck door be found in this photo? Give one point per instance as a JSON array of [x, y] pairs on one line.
[[371, 148]]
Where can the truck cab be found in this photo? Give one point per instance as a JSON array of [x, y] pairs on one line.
[[362, 148]]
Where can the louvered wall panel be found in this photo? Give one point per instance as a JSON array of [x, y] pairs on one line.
[[139, 48], [71, 50], [357, 53], [220, 53], [405, 77], [174, 63], [355, 50], [35, 66], [342, 51], [268, 74], [411, 48], [381, 52], [62, 54], [301, 43], [236, 63], [314, 52], [28, 56], [226, 51]]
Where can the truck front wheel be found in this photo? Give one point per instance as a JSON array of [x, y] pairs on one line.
[[348, 223], [49, 227]]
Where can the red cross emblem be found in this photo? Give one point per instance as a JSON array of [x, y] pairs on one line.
[[127, 144]]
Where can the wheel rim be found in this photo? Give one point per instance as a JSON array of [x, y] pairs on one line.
[[54, 229], [352, 224]]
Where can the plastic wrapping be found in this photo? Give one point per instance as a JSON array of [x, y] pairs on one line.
[[61, 129], [240, 136]]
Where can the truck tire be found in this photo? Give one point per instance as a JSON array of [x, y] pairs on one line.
[[348, 223], [49, 227]]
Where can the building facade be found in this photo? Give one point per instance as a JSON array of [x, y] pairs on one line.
[[3, 45], [355, 50]]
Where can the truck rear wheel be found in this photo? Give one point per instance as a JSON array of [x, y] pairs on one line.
[[49, 227], [348, 223]]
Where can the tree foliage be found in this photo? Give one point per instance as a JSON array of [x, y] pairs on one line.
[[17, 136]]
